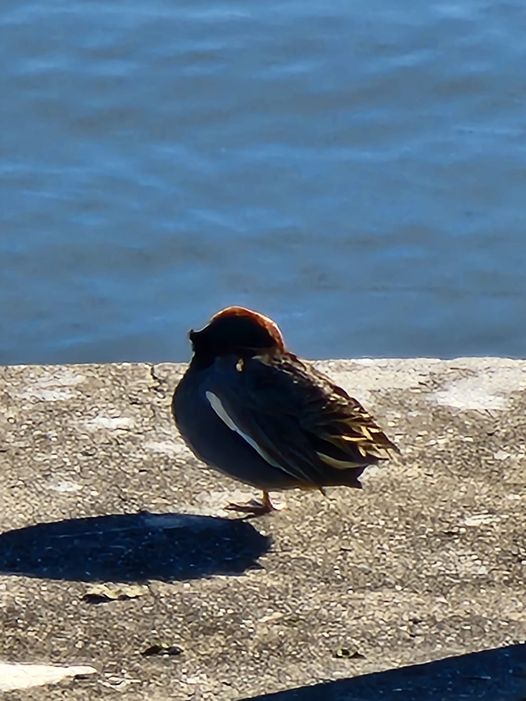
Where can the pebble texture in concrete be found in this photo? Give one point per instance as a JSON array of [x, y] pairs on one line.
[[116, 555]]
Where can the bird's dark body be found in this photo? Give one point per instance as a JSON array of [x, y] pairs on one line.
[[309, 395], [218, 446]]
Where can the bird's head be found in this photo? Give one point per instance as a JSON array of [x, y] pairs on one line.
[[236, 330]]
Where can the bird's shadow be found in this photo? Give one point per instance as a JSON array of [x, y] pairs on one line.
[[133, 548]]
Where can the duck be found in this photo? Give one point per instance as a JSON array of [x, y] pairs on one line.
[[253, 410]]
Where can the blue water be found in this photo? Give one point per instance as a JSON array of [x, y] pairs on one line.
[[357, 170]]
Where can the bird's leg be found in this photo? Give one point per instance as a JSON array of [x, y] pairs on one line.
[[254, 507], [269, 506]]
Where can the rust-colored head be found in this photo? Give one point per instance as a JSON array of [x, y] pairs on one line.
[[236, 330]]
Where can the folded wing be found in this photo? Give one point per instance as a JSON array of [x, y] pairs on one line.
[[295, 417]]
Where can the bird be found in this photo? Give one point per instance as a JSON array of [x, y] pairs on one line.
[[256, 412]]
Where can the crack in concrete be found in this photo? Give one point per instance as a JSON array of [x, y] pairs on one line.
[[159, 382], [160, 387]]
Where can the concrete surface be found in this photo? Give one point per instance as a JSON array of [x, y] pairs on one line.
[[325, 599]]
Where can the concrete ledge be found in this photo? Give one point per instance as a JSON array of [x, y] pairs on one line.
[[427, 562]]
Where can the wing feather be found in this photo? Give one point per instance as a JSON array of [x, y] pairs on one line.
[[295, 417]]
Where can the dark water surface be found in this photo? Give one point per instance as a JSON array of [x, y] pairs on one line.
[[355, 169]]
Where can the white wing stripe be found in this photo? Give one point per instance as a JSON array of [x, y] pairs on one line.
[[217, 406]]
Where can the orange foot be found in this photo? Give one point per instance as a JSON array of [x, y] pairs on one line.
[[254, 507]]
